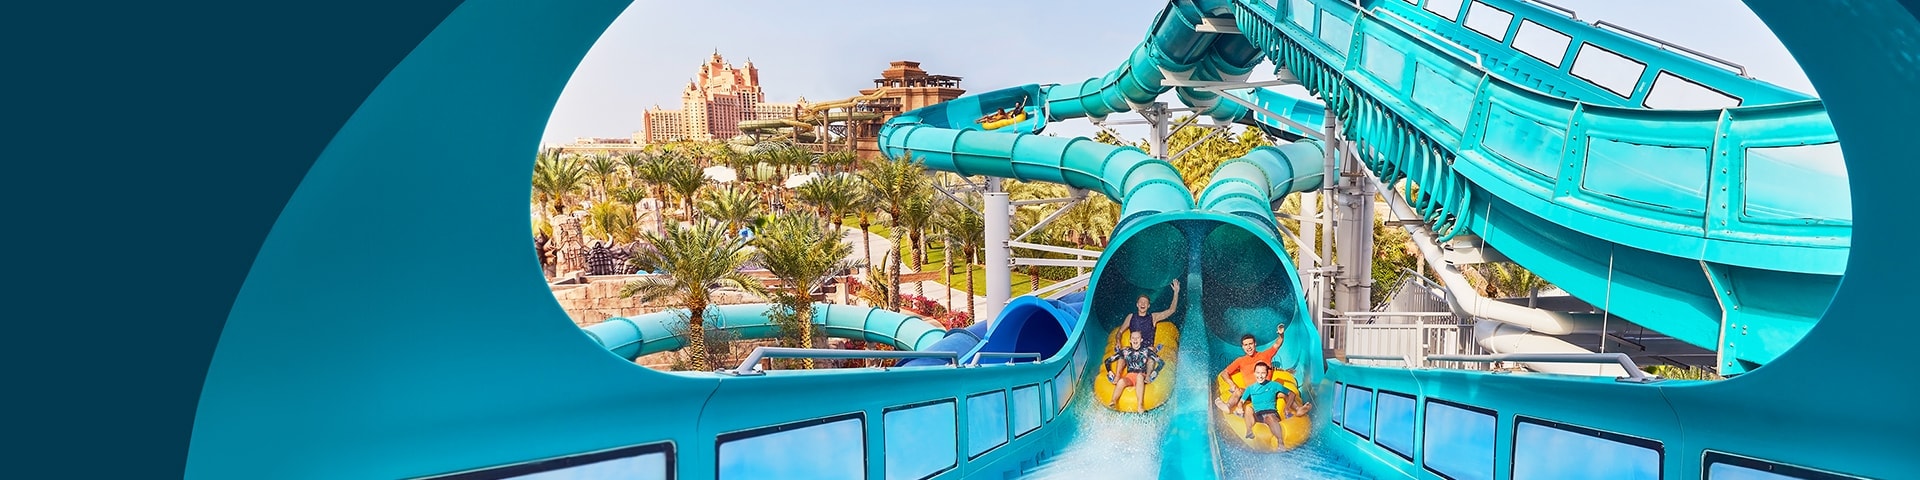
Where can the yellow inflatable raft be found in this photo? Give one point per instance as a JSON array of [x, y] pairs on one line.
[[1263, 440], [997, 124], [1159, 389]]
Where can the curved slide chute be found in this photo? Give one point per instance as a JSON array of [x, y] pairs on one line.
[[633, 337]]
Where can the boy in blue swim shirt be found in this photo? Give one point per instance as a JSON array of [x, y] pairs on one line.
[[1264, 393]]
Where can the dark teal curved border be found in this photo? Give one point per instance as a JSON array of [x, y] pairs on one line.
[[203, 117]]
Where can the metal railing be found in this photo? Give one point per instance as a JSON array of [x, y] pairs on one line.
[[1402, 358], [1416, 343], [1634, 375], [751, 365], [1007, 355]]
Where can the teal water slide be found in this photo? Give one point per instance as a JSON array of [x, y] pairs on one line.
[[330, 366]]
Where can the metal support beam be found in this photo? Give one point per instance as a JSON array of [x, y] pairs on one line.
[[999, 220], [1220, 85], [1035, 357], [1196, 143], [1076, 282], [1217, 25], [1310, 132], [1043, 201], [1156, 114], [1054, 249], [1634, 375], [751, 365], [1053, 262], [951, 196]]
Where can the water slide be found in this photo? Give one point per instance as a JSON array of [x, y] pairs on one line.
[[481, 376], [1719, 221]]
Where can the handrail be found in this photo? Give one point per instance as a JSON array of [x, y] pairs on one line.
[[1403, 358], [1007, 355], [1723, 62], [1563, 10], [750, 365], [1478, 62], [1634, 375]]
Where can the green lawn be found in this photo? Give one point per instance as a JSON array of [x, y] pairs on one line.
[[936, 256]]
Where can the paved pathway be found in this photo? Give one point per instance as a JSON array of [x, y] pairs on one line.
[[931, 289]]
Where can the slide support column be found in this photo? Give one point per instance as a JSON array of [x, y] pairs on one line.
[[999, 263]]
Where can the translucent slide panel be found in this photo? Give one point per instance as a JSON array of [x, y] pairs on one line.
[[1489, 21], [1459, 441], [1608, 70], [1524, 142], [1721, 466], [1339, 400], [921, 440], [833, 447], [1541, 43], [1440, 96], [1383, 61], [1447, 9], [1673, 92], [1335, 32], [1543, 449], [1797, 183], [646, 462], [1394, 429], [1300, 12], [1670, 177], [1026, 409], [986, 422], [1359, 411], [1062, 389]]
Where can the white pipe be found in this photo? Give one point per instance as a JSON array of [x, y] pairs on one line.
[[999, 266], [1511, 328]]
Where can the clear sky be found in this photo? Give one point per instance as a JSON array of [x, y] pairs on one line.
[[829, 50]]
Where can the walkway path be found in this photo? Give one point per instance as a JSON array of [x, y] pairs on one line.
[[931, 289]]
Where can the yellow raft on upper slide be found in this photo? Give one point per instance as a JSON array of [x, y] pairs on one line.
[[1168, 338]]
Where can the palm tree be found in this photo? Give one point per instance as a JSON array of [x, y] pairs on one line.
[[602, 169], [697, 260], [890, 185], [1510, 280], [555, 177], [967, 231], [733, 205], [612, 220], [686, 180], [658, 171], [631, 197], [837, 161], [917, 215], [833, 197], [798, 249], [634, 161]]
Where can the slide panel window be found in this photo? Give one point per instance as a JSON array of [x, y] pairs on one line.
[[1548, 449], [1459, 441], [922, 440], [1541, 43], [832, 447]]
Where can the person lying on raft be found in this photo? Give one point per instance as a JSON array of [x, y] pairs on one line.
[[1136, 360], [1144, 323], [1002, 114], [1264, 393]]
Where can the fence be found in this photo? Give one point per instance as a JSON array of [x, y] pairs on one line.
[[1354, 336]]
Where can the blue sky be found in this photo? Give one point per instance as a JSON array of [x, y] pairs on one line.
[[829, 50]]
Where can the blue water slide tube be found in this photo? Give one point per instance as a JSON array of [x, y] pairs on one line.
[[632, 337]]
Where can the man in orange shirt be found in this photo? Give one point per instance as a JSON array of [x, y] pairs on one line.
[[1245, 364]]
